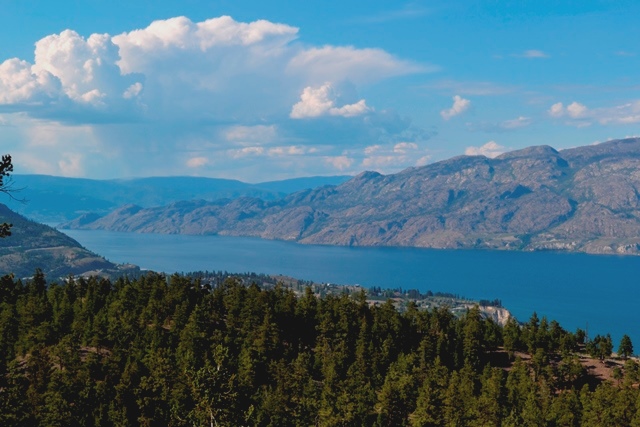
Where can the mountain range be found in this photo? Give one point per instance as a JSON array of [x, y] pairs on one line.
[[582, 199], [53, 199]]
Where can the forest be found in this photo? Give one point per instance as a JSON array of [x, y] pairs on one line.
[[161, 350]]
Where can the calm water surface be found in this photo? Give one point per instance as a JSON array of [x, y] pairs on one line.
[[575, 289]]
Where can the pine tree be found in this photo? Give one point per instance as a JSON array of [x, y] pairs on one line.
[[625, 349]]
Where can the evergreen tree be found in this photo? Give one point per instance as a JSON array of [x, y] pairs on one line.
[[625, 349]]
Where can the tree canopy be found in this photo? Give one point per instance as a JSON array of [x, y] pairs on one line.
[[6, 167], [178, 351]]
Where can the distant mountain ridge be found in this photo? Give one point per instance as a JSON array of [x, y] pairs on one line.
[[32, 245], [583, 199], [53, 199]]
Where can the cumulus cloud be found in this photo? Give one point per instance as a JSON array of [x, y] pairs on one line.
[[556, 110], [404, 147], [460, 105], [580, 115], [188, 91], [321, 101], [388, 159], [291, 150], [197, 162], [576, 110], [176, 68], [491, 149], [340, 163], [20, 84]]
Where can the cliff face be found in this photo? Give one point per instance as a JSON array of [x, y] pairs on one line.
[[583, 199]]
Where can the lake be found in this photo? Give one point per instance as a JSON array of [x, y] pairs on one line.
[[577, 290]]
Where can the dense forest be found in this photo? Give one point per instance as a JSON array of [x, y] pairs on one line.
[[177, 351]]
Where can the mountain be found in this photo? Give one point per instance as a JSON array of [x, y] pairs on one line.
[[32, 245], [583, 199], [52, 199]]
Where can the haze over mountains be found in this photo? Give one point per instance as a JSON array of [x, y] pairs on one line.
[[52, 199], [582, 199]]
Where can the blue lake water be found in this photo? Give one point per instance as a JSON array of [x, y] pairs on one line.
[[577, 290]]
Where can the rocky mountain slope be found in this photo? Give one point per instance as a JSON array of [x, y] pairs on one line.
[[32, 245], [583, 199], [55, 199]]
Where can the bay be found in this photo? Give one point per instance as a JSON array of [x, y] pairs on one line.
[[597, 292]]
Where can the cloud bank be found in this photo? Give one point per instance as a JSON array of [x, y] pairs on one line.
[[187, 96]]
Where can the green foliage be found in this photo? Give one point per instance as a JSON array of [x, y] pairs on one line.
[[626, 347], [172, 351], [600, 347], [6, 167]]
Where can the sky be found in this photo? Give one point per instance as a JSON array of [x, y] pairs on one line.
[[260, 91]]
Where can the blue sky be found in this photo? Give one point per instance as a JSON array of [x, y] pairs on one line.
[[260, 91]]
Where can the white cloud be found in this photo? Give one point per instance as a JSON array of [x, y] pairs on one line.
[[132, 91], [246, 151], [317, 102], [372, 149], [576, 110], [71, 165], [517, 123], [424, 160], [86, 69], [582, 116], [556, 110], [390, 158], [140, 50], [291, 150], [404, 147], [360, 66], [210, 70], [197, 162], [460, 105], [251, 135], [217, 89], [20, 84], [339, 162], [491, 149]]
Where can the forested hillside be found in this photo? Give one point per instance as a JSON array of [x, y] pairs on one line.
[[176, 351]]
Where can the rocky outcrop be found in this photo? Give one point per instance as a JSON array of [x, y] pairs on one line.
[[583, 199]]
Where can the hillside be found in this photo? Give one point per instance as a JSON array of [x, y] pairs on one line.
[[583, 199], [32, 245], [53, 199], [199, 351]]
